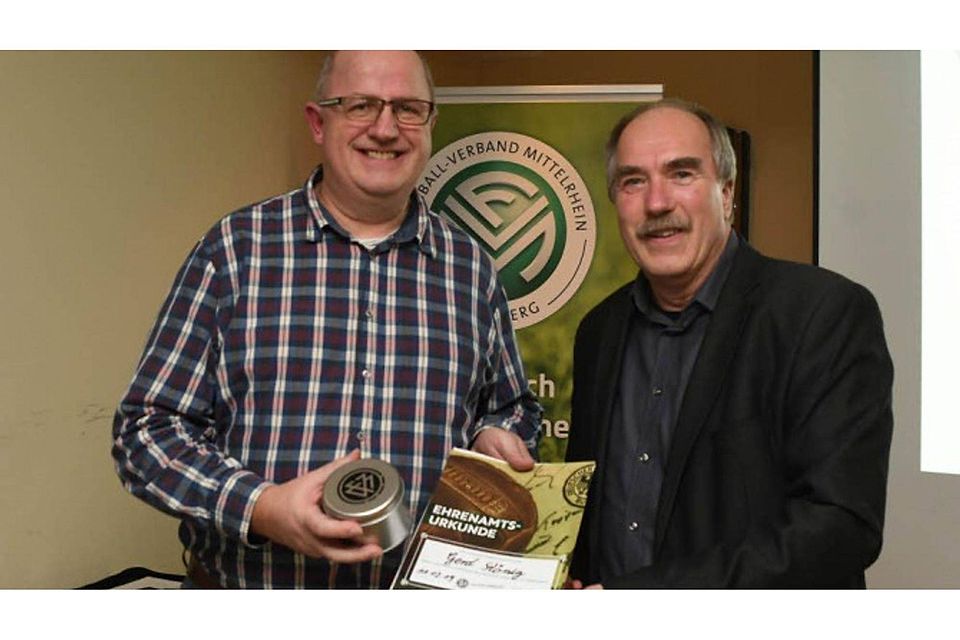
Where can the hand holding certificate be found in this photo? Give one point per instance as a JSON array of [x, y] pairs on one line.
[[488, 526]]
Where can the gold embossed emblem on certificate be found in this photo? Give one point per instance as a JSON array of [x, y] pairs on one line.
[[490, 527]]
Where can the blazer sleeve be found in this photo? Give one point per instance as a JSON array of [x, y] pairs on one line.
[[835, 432]]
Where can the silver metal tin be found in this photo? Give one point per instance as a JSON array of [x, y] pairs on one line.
[[369, 491]]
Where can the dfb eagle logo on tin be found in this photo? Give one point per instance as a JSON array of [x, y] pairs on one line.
[[362, 485]]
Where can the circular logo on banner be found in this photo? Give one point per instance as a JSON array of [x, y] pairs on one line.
[[527, 207], [362, 485]]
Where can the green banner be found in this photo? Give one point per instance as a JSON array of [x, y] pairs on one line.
[[527, 180]]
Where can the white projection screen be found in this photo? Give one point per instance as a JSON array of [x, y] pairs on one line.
[[940, 309]]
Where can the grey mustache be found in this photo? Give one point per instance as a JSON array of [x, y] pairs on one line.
[[662, 224]]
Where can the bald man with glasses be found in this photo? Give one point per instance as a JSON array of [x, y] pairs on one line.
[[337, 321]]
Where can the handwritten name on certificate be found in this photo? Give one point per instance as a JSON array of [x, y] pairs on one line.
[[445, 565]]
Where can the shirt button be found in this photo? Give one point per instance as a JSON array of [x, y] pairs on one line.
[[644, 457], [633, 526], [361, 435], [368, 313], [365, 373]]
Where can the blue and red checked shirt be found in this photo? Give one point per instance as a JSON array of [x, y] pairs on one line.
[[283, 345]]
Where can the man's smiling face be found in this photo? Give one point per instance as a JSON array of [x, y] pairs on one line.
[[374, 163], [673, 210]]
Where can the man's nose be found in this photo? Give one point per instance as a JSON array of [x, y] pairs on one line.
[[385, 126], [659, 197]]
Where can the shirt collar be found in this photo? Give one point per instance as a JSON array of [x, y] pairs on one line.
[[706, 296], [416, 226]]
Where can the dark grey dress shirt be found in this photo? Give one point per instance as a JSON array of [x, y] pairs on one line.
[[661, 350]]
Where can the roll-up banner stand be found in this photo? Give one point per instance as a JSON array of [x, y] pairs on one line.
[[521, 169]]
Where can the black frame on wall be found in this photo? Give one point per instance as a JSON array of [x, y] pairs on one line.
[[740, 140]]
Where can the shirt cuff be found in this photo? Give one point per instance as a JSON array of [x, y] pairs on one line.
[[234, 509], [530, 440]]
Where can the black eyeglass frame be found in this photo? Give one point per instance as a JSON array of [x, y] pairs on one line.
[[381, 103]]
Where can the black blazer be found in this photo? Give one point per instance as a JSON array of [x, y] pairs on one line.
[[778, 469]]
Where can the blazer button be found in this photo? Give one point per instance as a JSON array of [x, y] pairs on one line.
[[633, 526], [644, 457]]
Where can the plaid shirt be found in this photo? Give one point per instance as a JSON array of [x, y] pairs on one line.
[[283, 345]]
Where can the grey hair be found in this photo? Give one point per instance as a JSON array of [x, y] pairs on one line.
[[326, 69], [724, 158]]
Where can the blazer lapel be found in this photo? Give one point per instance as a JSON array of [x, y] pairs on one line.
[[706, 380], [609, 359], [611, 347]]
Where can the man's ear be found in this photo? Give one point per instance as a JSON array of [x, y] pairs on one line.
[[314, 115], [727, 194]]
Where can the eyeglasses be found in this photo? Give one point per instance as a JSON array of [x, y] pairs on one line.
[[366, 109]]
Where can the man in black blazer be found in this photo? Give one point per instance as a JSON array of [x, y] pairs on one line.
[[739, 407]]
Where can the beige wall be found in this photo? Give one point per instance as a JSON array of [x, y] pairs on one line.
[[113, 164]]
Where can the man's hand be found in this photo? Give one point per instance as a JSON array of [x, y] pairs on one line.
[[505, 445], [576, 584], [290, 514]]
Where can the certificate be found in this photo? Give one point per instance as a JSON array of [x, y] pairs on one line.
[[447, 565], [488, 526]]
